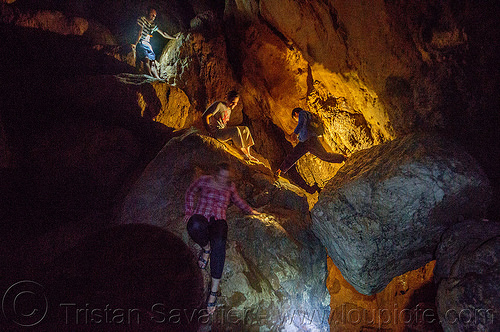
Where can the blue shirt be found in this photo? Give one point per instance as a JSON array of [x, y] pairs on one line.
[[302, 129]]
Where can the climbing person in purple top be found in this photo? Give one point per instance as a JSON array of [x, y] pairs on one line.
[[307, 133]]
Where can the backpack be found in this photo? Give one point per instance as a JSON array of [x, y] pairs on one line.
[[314, 124]]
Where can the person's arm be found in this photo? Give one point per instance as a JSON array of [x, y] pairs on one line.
[[223, 116], [138, 37], [141, 27], [207, 119], [294, 136], [219, 114], [165, 35], [239, 202], [209, 113], [190, 196], [302, 123]]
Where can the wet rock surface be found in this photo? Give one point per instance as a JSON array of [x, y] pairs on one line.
[[384, 212]]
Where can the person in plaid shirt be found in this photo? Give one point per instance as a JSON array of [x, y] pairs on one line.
[[207, 224]]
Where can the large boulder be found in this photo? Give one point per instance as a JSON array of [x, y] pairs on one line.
[[468, 271], [275, 267], [124, 278], [385, 211]]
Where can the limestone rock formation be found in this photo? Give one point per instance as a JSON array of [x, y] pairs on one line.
[[126, 97], [339, 58], [275, 266], [58, 22], [398, 307], [53, 21], [199, 65], [385, 210], [275, 78], [468, 271], [397, 66]]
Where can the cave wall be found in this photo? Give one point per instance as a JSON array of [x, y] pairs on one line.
[[399, 307], [390, 68], [373, 71]]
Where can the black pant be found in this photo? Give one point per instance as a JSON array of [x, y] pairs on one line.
[[202, 232], [314, 146]]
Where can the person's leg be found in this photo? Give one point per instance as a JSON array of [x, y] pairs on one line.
[[218, 237], [230, 133], [316, 148], [150, 57], [140, 57], [246, 142], [224, 134], [198, 230], [241, 137], [246, 137], [298, 151], [154, 69], [218, 234], [212, 297], [147, 65], [143, 56]]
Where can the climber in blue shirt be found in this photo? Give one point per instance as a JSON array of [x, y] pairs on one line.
[[308, 133], [302, 131]]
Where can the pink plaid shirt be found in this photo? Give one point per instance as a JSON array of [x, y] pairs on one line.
[[212, 202]]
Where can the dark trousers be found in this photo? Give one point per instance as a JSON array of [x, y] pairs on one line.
[[314, 146], [202, 232]]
